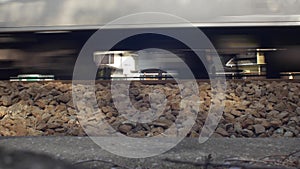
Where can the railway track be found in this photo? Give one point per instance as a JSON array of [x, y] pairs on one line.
[[153, 82]]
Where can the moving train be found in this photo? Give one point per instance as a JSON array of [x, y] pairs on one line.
[[253, 38]]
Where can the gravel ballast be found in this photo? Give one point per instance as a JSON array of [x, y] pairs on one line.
[[252, 109]]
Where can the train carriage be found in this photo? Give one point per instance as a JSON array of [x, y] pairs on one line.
[[254, 38]]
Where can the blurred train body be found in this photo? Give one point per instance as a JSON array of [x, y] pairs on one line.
[[45, 37]]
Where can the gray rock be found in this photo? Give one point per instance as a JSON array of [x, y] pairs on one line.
[[283, 115], [6, 100], [272, 98], [222, 132], [280, 106], [272, 114], [164, 123], [64, 88], [279, 131], [298, 111], [236, 113], [247, 133], [239, 91], [237, 127], [275, 123], [65, 98], [3, 111], [125, 128], [288, 134], [258, 129], [258, 93]]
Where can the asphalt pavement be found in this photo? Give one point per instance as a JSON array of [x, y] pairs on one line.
[[83, 149]]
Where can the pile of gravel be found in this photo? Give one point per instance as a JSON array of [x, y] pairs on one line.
[[252, 109]]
